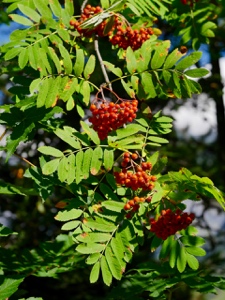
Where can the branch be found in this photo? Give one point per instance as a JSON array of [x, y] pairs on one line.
[[83, 5], [101, 63], [24, 159], [3, 134]]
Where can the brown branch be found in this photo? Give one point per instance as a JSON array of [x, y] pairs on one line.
[[104, 72], [24, 159]]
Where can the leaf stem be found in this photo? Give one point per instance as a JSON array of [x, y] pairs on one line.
[[104, 72], [24, 159]]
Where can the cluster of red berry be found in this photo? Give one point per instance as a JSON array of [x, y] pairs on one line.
[[189, 2], [126, 36], [170, 222], [136, 178], [88, 12], [111, 116], [133, 205], [119, 33]]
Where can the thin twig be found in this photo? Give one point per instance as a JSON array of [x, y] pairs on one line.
[[101, 63], [83, 5], [3, 134], [24, 159]]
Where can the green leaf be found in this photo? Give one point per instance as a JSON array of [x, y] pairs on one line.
[[129, 130], [132, 142], [106, 274], [108, 159], [206, 29], [90, 132], [79, 162], [55, 7], [44, 61], [34, 58], [70, 104], [55, 59], [127, 88], [131, 60], [118, 249], [85, 90], [90, 248], [165, 250], [100, 225], [92, 258], [107, 192], [148, 86], [113, 263], [197, 251], [144, 57], [173, 253], [9, 285], [160, 54], [172, 58], [64, 34], [44, 87], [89, 67], [5, 231], [113, 205], [50, 167], [97, 160], [181, 259], [94, 275], [196, 73], [160, 165], [79, 63], [156, 242], [53, 92], [67, 135], [93, 237], [48, 150], [87, 162], [104, 4], [177, 84], [68, 215], [192, 261], [29, 12], [69, 89], [21, 20], [157, 139], [189, 240], [67, 63], [71, 168], [115, 70], [69, 7], [42, 7], [167, 76], [188, 61], [70, 225], [12, 53], [23, 58], [63, 169]]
